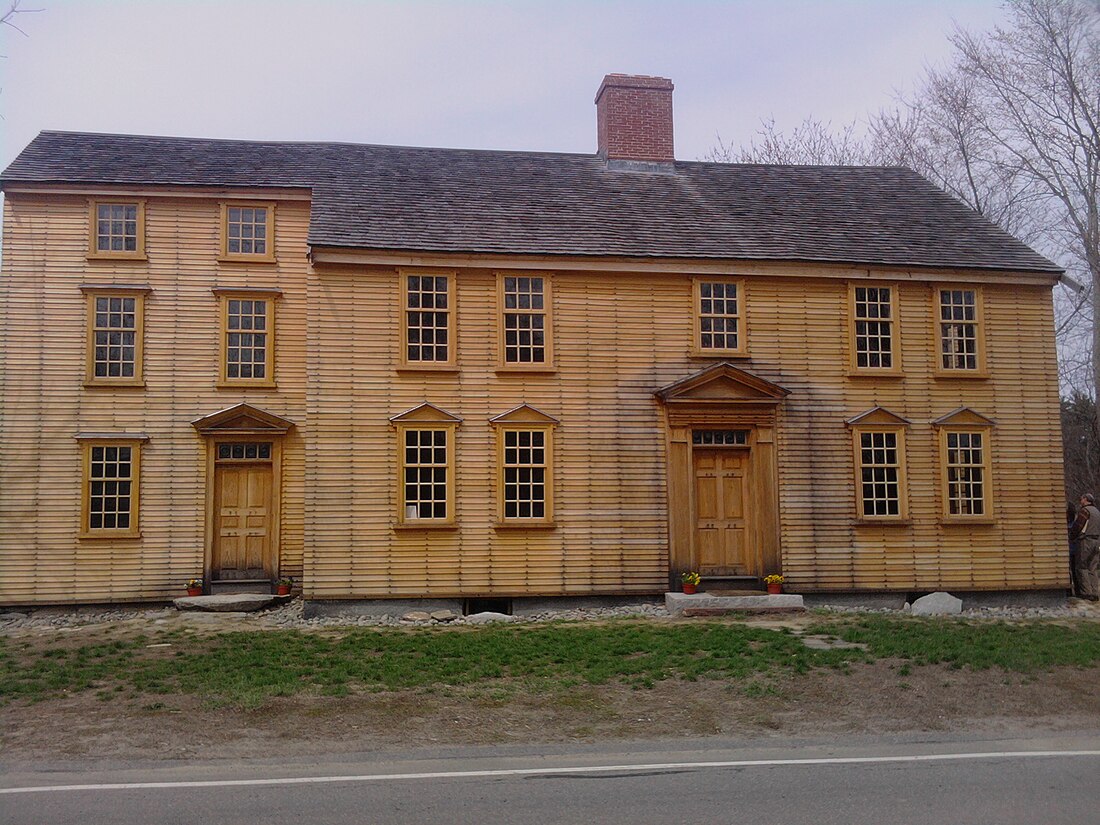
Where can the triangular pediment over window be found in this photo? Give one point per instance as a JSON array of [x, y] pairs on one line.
[[964, 416], [524, 414], [723, 383], [877, 415], [425, 412], [242, 419]]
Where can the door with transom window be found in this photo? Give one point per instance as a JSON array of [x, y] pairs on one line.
[[722, 473], [243, 512]]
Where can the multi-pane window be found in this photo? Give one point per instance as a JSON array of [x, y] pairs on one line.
[[117, 229], [428, 308], [880, 470], [426, 475], [248, 231], [247, 339], [966, 475], [719, 316], [958, 318], [260, 451], [114, 338], [525, 474], [874, 327], [110, 489], [525, 301]]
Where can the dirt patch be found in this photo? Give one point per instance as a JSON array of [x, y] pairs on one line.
[[868, 699]]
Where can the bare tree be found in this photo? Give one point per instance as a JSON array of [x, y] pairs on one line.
[[812, 142]]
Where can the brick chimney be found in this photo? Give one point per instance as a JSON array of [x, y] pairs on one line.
[[634, 119]]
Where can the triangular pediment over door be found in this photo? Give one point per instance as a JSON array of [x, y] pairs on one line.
[[243, 419], [723, 383]]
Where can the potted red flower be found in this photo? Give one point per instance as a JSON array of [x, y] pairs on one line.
[[282, 587]]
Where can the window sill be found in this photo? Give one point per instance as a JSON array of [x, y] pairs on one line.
[[966, 375], [520, 369], [100, 536], [725, 355], [408, 525], [867, 372], [451, 369], [112, 385], [247, 259], [117, 256], [520, 525], [246, 385]]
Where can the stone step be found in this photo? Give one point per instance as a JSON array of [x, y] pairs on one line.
[[706, 604], [227, 602]]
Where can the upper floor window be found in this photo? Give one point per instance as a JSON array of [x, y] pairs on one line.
[[428, 320], [247, 351], [117, 229], [109, 500], [719, 317], [959, 331], [248, 231], [873, 336], [525, 321], [114, 337]]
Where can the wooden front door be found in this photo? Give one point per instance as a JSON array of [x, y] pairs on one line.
[[243, 519], [721, 527]]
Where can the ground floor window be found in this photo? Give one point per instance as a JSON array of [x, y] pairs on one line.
[[110, 488]]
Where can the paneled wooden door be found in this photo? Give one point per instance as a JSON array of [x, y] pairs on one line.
[[721, 520], [243, 521]]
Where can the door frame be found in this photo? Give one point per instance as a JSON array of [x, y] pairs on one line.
[[240, 424], [722, 397]]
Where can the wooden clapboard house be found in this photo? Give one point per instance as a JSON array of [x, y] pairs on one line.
[[398, 373]]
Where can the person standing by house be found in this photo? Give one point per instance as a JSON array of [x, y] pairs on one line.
[[1086, 531], [1074, 546]]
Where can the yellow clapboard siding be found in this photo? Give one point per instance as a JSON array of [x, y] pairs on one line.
[[617, 338]]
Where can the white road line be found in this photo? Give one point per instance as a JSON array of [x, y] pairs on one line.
[[580, 769]]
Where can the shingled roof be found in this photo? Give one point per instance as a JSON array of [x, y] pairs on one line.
[[536, 203]]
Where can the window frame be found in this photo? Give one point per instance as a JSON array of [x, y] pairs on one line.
[[94, 252], [895, 330], [246, 257], [548, 364], [87, 443], [517, 522], [697, 350], [91, 294], [451, 520], [898, 430], [971, 428], [224, 296], [451, 364], [981, 368]]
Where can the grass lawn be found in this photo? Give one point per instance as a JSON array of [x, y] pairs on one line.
[[244, 669]]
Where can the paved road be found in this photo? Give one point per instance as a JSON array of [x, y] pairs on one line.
[[1046, 781]]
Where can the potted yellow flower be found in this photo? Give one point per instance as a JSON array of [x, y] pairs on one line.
[[194, 587], [774, 583], [690, 580]]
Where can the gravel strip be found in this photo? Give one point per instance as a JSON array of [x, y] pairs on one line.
[[289, 615]]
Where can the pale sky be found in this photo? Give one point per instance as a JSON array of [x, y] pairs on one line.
[[463, 73]]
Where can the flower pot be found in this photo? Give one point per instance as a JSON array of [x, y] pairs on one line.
[[194, 591], [282, 590], [689, 588], [775, 589]]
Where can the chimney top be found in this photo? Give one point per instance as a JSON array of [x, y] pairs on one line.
[[634, 121]]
